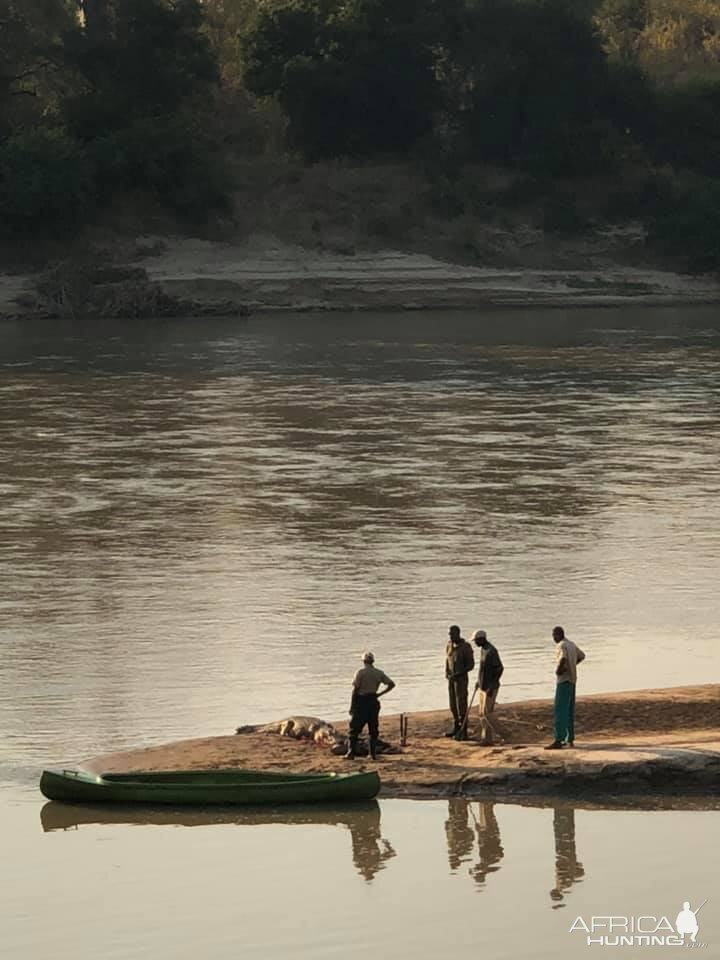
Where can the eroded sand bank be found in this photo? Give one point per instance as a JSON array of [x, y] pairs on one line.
[[640, 742], [262, 273]]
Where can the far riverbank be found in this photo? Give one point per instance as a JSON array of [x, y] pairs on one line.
[[638, 742], [185, 276]]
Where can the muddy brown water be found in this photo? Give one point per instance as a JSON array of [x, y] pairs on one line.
[[205, 523]]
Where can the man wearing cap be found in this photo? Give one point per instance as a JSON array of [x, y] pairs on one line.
[[459, 661], [365, 704], [488, 683]]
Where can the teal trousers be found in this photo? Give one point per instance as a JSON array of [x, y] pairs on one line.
[[565, 712]]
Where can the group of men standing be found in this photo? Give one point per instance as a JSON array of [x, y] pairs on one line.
[[459, 664]]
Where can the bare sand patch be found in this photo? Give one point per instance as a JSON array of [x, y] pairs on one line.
[[265, 273], [642, 741]]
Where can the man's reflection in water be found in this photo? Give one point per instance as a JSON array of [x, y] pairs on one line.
[[490, 848], [369, 849], [568, 869], [460, 837]]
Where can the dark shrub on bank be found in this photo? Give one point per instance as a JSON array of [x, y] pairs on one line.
[[171, 157], [686, 127], [91, 112], [532, 87], [561, 214], [642, 194], [143, 95], [46, 181], [690, 229], [353, 79]]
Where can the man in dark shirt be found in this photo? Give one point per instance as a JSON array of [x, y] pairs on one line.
[[488, 683], [459, 661]]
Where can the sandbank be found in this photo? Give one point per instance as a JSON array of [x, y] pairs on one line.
[[664, 741]]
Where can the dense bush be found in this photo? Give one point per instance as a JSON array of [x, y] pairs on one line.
[[686, 127], [46, 180], [353, 79], [643, 195], [689, 229], [153, 63], [89, 113], [167, 158], [534, 78], [560, 214], [673, 40], [126, 102]]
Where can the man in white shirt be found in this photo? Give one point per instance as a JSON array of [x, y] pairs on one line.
[[569, 655]]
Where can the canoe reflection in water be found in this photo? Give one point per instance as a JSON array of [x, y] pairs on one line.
[[370, 850], [568, 869], [462, 826]]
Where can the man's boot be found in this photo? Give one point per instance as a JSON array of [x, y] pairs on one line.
[[373, 749], [352, 748], [454, 732]]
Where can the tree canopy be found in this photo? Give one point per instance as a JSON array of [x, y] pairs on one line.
[[103, 97]]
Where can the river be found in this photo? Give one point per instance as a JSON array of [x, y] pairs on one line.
[[205, 523]]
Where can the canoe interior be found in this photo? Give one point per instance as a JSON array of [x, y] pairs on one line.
[[220, 777]]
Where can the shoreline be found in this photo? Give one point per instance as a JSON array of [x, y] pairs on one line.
[[263, 274], [649, 742]]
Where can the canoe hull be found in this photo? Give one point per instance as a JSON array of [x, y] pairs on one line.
[[203, 788]]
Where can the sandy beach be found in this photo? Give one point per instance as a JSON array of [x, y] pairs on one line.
[[649, 740]]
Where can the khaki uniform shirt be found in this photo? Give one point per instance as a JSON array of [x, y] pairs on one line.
[[368, 679], [459, 659]]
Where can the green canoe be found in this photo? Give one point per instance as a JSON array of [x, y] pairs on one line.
[[203, 787]]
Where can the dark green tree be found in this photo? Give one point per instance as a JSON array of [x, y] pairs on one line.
[[227, 23], [533, 81], [685, 128], [152, 60], [353, 79], [96, 16], [621, 23], [30, 49], [144, 88], [688, 229]]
